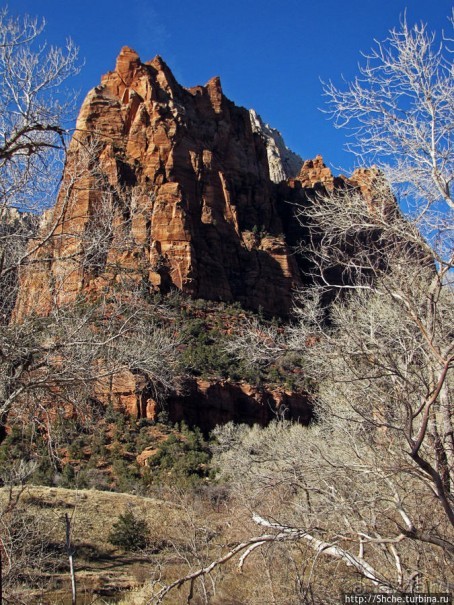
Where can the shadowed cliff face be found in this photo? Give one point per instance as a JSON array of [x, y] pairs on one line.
[[209, 404], [190, 191]]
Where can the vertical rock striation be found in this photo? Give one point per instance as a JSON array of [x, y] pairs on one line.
[[191, 190]]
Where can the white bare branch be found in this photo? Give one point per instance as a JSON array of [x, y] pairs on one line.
[[400, 109]]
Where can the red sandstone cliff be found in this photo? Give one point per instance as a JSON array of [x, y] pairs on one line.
[[191, 204]]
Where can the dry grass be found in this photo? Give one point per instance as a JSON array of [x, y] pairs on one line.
[[188, 530], [100, 568], [92, 512]]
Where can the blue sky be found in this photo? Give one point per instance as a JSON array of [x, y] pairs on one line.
[[270, 54]]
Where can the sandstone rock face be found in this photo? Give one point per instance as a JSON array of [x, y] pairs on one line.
[[206, 403], [314, 173], [282, 162], [188, 185]]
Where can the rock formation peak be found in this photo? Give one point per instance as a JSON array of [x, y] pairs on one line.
[[127, 63], [196, 189], [193, 174], [283, 163], [315, 172]]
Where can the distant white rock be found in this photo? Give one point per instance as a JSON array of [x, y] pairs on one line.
[[9, 215], [283, 162]]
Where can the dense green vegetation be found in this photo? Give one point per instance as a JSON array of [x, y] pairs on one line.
[[106, 458], [207, 327]]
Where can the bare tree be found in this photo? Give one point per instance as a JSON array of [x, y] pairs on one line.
[[331, 487], [400, 108], [257, 344], [61, 346], [25, 542], [33, 111], [371, 485], [396, 324]]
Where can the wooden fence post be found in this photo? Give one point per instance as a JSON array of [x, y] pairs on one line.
[[71, 560]]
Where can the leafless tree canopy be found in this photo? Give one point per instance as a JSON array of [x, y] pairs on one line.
[[400, 108], [371, 484], [32, 115]]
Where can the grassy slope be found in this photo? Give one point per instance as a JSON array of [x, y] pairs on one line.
[[99, 566]]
